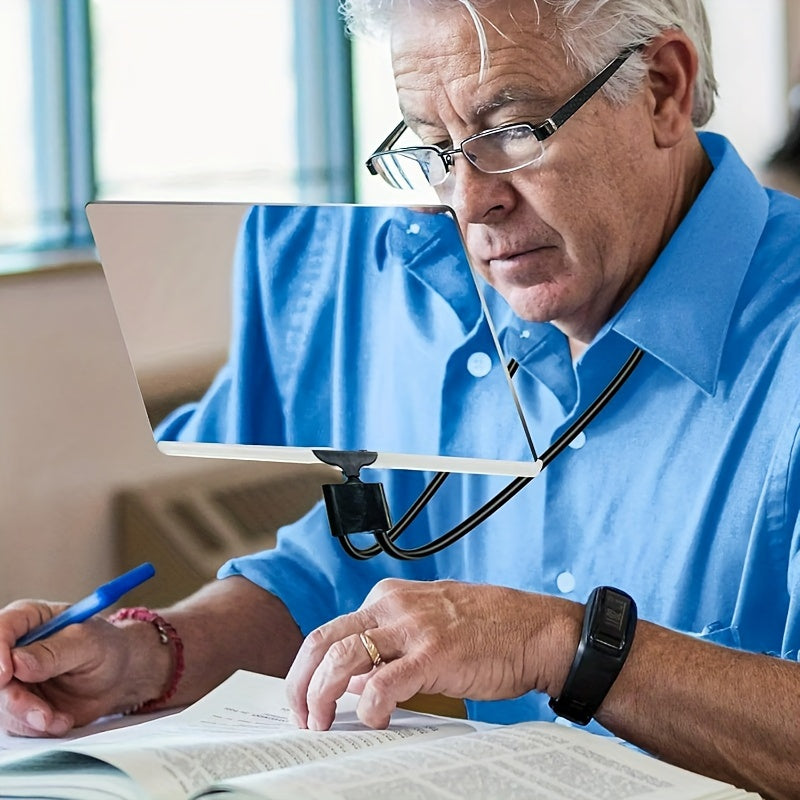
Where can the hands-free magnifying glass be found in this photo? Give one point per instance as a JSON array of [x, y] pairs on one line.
[[358, 507]]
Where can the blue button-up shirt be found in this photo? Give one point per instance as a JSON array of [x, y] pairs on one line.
[[684, 491]]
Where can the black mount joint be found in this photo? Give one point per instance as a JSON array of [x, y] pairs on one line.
[[353, 506]]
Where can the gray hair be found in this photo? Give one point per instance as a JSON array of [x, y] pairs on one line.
[[592, 33]]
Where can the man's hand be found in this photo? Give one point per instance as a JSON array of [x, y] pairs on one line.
[[67, 679], [457, 639], [95, 668]]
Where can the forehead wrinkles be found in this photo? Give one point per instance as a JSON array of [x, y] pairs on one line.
[[433, 91], [439, 76]]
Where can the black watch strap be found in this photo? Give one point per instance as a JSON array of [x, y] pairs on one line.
[[608, 628]]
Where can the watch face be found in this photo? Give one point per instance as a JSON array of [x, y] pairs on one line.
[[610, 620], [609, 627]]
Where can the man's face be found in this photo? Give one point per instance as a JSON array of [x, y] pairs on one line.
[[568, 238]]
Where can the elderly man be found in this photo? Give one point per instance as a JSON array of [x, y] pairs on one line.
[[627, 229]]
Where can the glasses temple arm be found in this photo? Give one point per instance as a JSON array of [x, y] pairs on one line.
[[550, 126], [387, 144]]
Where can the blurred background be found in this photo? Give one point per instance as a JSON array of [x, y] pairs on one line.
[[240, 100]]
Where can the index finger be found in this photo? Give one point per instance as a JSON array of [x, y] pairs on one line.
[[310, 655], [345, 659]]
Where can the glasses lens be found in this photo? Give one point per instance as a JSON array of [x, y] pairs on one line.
[[503, 149], [411, 168]]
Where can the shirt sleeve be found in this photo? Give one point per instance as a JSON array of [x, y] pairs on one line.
[[791, 642]]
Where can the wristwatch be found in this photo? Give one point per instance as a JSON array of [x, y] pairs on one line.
[[606, 638]]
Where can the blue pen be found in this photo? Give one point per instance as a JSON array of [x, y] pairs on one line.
[[100, 599]]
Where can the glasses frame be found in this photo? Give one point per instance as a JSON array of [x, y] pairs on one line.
[[541, 131]]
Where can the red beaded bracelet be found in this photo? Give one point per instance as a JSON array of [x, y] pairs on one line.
[[167, 634]]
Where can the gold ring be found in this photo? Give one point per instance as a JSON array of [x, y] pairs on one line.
[[372, 650]]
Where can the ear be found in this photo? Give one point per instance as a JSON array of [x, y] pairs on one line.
[[672, 67]]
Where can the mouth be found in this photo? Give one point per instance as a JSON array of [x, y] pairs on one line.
[[512, 259], [522, 268]]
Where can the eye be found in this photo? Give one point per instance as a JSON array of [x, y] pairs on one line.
[[513, 131], [429, 136], [443, 144]]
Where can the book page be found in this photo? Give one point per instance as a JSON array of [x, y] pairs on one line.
[[16, 746], [529, 760], [241, 727]]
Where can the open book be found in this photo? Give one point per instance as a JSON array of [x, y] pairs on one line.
[[238, 742]]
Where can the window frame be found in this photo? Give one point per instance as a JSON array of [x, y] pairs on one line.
[[62, 122]]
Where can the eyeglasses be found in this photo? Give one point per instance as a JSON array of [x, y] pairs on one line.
[[496, 150]]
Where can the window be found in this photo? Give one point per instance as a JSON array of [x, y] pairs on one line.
[[194, 100], [17, 175], [752, 105], [167, 100]]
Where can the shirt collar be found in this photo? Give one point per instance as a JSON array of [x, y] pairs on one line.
[[682, 310], [430, 247]]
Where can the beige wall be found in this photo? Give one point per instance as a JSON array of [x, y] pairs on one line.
[[72, 431], [793, 38]]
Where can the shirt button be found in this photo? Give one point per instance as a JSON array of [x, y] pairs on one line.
[[578, 441], [565, 582], [479, 364]]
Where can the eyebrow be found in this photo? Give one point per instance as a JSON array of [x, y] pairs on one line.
[[509, 96], [505, 97]]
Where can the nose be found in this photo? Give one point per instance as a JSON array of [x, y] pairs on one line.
[[477, 197]]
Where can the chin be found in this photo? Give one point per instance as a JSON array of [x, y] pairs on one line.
[[532, 305]]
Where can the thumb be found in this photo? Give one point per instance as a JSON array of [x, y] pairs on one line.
[[65, 651], [17, 619]]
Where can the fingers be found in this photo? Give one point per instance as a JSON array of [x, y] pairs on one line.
[[334, 655], [388, 685], [330, 680], [335, 634], [335, 658], [316, 645], [347, 662], [23, 713]]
